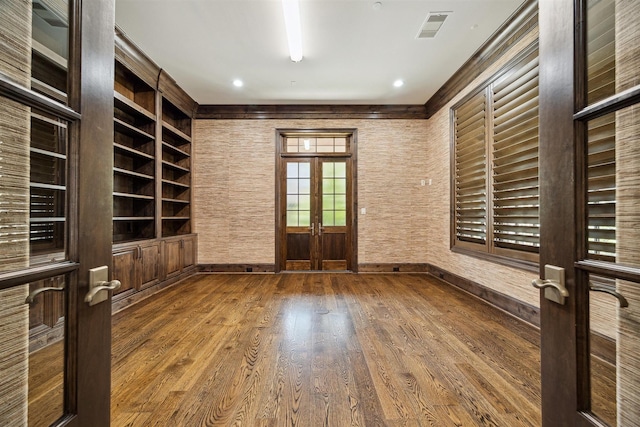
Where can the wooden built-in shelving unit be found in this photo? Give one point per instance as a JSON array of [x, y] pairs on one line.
[[153, 244], [176, 170], [134, 167]]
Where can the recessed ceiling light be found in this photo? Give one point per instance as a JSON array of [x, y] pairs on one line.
[[398, 83], [238, 83]]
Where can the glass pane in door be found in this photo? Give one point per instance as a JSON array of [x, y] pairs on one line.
[[602, 358], [46, 352], [50, 48], [47, 198], [298, 194], [334, 194], [613, 235]]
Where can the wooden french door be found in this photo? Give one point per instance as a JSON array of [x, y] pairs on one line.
[[590, 212], [318, 213], [56, 160], [315, 209]]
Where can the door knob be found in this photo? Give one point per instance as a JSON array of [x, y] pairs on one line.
[[553, 285]]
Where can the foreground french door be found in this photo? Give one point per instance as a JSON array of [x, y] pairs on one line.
[[590, 212], [56, 160], [315, 204]]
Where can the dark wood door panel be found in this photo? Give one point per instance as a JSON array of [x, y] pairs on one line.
[[299, 246], [149, 265], [189, 252], [334, 246], [124, 268], [172, 257]]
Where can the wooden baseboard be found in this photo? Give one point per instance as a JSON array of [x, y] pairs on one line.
[[511, 305], [127, 300], [236, 268], [392, 268], [517, 308]]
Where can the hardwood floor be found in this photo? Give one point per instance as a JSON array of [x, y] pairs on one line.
[[322, 350]]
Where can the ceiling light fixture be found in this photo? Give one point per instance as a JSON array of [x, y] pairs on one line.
[[238, 83], [398, 83], [291, 11]]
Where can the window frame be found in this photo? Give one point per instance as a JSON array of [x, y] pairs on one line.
[[487, 250]]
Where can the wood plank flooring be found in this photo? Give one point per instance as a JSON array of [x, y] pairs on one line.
[[322, 350]]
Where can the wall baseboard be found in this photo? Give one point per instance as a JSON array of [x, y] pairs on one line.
[[236, 268], [513, 306], [517, 308], [393, 268]]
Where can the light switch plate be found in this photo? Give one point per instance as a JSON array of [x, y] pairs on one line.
[[97, 277]]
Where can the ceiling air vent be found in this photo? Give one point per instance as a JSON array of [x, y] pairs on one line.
[[432, 25]]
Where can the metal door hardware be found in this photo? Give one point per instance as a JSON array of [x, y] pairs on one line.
[[621, 299], [99, 286], [32, 296], [553, 285]]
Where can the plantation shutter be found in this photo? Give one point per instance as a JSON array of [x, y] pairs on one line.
[[516, 221], [470, 171]]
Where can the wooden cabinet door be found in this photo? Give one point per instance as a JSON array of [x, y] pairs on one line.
[[188, 251], [172, 257], [124, 268], [149, 265]]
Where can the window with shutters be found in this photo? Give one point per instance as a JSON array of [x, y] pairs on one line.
[[495, 203]]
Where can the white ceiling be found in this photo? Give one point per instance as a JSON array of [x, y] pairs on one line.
[[353, 52]]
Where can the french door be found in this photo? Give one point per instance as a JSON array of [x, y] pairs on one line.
[[56, 160], [590, 212], [315, 206]]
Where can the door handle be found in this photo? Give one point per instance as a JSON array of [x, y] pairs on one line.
[[621, 299], [320, 229], [553, 285], [32, 296], [313, 232], [99, 286]]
